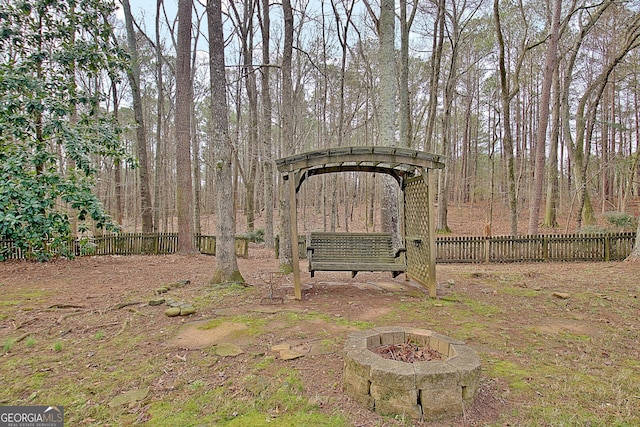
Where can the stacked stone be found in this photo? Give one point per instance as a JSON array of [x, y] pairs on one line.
[[430, 390]]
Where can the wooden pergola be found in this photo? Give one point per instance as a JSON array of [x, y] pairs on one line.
[[410, 168]]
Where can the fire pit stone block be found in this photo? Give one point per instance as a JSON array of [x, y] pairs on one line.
[[430, 390]]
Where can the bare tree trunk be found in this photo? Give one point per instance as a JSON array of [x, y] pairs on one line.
[[196, 163], [633, 169], [160, 155], [286, 250], [436, 61], [342, 31], [184, 188], [371, 198], [133, 75], [405, 105], [543, 120], [447, 125], [635, 253], [550, 218], [245, 26], [226, 261], [197, 186], [507, 138], [117, 167], [579, 149], [334, 202], [267, 143], [343, 34], [386, 35]]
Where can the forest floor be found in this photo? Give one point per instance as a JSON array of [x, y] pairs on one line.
[[558, 342]]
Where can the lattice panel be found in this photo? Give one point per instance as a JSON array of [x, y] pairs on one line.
[[416, 205]]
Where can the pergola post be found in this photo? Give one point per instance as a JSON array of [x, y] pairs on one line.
[[431, 280], [293, 215]]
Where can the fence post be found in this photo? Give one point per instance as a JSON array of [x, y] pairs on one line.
[[487, 250]]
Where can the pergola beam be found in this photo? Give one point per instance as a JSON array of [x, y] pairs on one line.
[[394, 157]]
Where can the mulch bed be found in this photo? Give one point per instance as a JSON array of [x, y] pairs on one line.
[[407, 352]]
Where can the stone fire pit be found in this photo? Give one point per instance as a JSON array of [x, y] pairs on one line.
[[430, 390]]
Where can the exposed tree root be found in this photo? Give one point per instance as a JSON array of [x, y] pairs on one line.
[[126, 304], [27, 322], [75, 313]]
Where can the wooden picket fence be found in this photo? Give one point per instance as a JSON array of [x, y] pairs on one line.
[[130, 244], [538, 248], [498, 249]]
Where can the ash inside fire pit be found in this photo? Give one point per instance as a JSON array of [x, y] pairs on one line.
[[408, 352]]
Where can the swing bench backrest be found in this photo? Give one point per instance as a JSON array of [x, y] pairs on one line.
[[354, 252]]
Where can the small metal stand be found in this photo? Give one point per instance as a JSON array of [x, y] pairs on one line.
[[272, 279]]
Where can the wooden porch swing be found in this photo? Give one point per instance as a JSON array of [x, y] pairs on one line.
[[354, 252], [370, 251]]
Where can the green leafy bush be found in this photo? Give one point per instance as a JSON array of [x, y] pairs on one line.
[[621, 220], [255, 236]]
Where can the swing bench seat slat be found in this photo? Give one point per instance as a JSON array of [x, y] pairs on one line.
[[354, 252]]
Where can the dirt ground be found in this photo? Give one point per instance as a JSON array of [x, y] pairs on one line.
[[83, 332], [72, 301]]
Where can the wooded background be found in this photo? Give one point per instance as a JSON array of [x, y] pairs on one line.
[[534, 103]]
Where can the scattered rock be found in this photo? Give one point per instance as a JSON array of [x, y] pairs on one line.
[[172, 311], [158, 301], [225, 349], [286, 352], [187, 309], [129, 397], [289, 354], [279, 347], [561, 295], [162, 290]]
